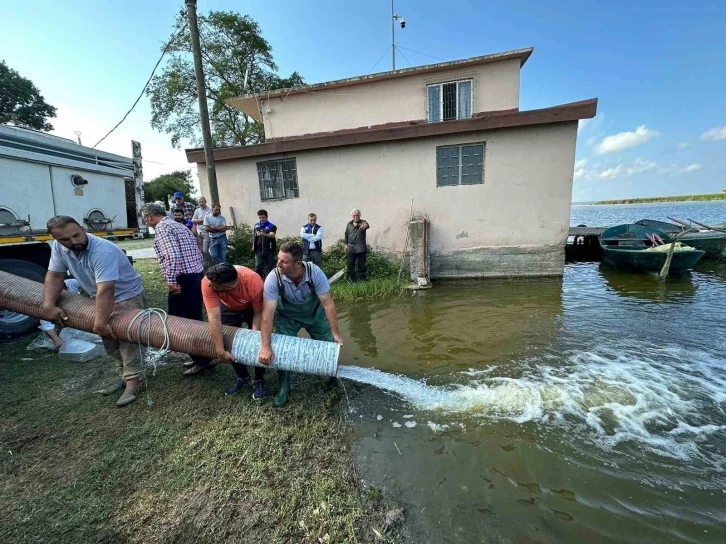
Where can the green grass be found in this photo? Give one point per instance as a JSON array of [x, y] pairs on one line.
[[684, 198], [368, 290], [129, 244], [195, 466]]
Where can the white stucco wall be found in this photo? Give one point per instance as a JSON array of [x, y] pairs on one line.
[[495, 88], [26, 189], [524, 201]]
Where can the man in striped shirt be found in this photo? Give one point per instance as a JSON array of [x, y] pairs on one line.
[[181, 265]]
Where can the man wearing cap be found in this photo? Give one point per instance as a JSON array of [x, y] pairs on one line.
[[188, 207]]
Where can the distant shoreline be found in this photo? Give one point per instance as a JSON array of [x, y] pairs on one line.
[[683, 198]]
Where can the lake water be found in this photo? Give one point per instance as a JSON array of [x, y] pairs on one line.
[[588, 408]]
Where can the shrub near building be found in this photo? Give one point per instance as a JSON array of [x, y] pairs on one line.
[[382, 273]]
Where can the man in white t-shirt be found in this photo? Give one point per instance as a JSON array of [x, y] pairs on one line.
[[198, 219]]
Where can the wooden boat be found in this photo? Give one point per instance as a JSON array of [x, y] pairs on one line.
[[710, 241], [625, 247]]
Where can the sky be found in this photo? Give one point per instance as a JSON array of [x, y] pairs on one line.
[[657, 68]]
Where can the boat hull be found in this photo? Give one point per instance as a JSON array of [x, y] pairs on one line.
[[638, 260]]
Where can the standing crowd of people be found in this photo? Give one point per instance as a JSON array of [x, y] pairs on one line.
[[287, 291]]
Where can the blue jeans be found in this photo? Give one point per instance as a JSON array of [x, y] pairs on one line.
[[218, 249]]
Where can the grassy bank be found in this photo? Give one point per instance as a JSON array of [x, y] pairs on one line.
[[195, 466], [684, 198]]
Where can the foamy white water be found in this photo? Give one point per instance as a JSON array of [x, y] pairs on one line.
[[666, 399]]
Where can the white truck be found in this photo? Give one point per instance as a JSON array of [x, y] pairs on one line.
[[42, 176]]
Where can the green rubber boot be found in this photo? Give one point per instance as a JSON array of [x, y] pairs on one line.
[[281, 397]]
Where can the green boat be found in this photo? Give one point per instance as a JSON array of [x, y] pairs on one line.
[[627, 247], [710, 241]]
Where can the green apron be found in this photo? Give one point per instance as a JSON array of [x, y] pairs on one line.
[[309, 315]]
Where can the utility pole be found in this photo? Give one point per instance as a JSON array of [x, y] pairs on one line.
[[202, 94]]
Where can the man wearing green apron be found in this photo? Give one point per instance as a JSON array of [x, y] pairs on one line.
[[296, 296]]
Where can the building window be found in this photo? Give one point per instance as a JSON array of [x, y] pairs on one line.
[[460, 165], [448, 101], [278, 179]]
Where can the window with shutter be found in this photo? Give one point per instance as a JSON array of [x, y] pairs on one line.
[[460, 165]]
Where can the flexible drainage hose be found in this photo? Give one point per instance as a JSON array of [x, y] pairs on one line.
[[185, 335]]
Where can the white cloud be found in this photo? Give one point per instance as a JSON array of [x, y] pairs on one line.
[[582, 124], [716, 133], [580, 164], [626, 140], [683, 145], [675, 169], [580, 173], [637, 167]]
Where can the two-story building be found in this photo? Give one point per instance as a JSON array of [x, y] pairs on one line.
[[495, 182]]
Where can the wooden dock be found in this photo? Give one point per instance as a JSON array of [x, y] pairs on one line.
[[586, 231]]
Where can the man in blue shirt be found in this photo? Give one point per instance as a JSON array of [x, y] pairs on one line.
[[312, 237], [104, 272], [296, 296], [264, 244]]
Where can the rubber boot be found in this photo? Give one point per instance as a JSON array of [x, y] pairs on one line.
[[281, 397]]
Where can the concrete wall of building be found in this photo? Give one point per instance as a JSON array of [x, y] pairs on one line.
[[495, 88], [515, 223]]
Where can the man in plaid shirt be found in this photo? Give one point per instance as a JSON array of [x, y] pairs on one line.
[[181, 265], [188, 207]]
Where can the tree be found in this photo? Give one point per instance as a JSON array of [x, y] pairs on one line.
[[231, 44], [21, 103], [160, 188]]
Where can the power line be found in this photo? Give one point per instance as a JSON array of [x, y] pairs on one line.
[[166, 48], [404, 56], [379, 60], [420, 53]]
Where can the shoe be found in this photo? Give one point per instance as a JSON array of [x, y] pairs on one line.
[[195, 369], [239, 384], [114, 388], [260, 391], [285, 379], [128, 397], [188, 364]]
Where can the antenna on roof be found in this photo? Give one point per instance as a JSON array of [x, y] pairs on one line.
[[395, 18], [78, 135]]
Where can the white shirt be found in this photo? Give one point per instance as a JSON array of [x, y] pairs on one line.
[[312, 238], [200, 213]]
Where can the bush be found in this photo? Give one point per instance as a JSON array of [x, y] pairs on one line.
[[334, 256]]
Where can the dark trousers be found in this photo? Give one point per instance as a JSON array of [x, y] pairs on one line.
[[235, 318], [188, 304], [314, 256], [264, 263], [360, 259]]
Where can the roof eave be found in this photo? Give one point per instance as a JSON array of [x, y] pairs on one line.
[[585, 109]]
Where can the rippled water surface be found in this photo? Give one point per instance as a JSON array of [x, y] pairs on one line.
[[588, 408]]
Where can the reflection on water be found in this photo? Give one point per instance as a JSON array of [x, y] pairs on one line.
[[648, 287], [584, 409]]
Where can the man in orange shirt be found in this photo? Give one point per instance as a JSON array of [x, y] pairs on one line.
[[232, 296]]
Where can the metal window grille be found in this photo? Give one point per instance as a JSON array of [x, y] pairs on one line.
[[460, 165], [449, 101], [278, 179]]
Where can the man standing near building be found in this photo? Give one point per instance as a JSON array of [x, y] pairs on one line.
[[188, 207], [355, 245], [312, 240], [181, 266], [297, 296], [264, 244], [178, 214], [198, 219], [104, 272], [232, 296], [216, 226]]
